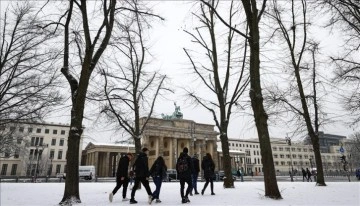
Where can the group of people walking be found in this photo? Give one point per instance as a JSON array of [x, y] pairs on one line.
[[306, 174], [187, 168]]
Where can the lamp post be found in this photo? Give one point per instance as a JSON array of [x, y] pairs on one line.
[[38, 157], [288, 140]]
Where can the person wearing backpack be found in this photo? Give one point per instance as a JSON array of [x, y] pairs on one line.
[[142, 175], [208, 167], [184, 168], [158, 173]]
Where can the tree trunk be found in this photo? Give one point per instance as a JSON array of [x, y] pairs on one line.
[[271, 187], [228, 181]]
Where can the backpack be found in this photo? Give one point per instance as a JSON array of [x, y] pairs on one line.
[[182, 165]]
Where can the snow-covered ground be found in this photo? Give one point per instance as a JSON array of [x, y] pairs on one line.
[[244, 193]]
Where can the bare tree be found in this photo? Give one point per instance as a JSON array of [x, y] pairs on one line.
[[297, 42], [221, 73], [253, 17], [89, 54], [28, 78], [345, 17], [352, 147], [130, 90]]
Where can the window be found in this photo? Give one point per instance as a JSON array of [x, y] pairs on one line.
[[12, 129], [21, 129], [62, 132], [58, 167], [54, 131], [38, 130], [281, 156], [275, 156], [16, 155], [254, 152], [2, 128], [60, 155], [293, 149], [276, 163], [52, 154], [257, 152], [305, 150], [4, 169], [19, 140], [299, 149], [274, 148], [30, 130], [47, 131], [61, 142], [288, 156], [7, 152], [281, 149], [13, 169], [53, 142], [282, 163], [287, 149], [294, 155]]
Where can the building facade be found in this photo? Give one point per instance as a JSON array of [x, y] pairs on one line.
[[41, 149], [163, 137], [286, 157]]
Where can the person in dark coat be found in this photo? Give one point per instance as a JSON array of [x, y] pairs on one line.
[[185, 176], [308, 175], [208, 167], [304, 174], [142, 174], [122, 178], [195, 174], [158, 174]]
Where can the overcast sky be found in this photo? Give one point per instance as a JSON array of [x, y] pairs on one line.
[[167, 42]]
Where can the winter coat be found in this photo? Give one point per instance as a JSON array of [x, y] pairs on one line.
[[140, 166], [208, 167], [158, 169], [187, 173], [122, 170], [196, 164]]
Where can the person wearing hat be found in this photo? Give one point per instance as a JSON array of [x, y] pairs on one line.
[[184, 168], [195, 174], [142, 175]]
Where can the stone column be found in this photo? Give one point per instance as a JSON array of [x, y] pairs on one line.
[[160, 146], [96, 160], [107, 164], [174, 153]]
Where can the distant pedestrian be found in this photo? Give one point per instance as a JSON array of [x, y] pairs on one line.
[[184, 168], [122, 178], [304, 174], [308, 175], [195, 174], [142, 174], [158, 174], [208, 167]]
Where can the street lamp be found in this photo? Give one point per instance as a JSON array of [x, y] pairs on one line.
[[288, 140]]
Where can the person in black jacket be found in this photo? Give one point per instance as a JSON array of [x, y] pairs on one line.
[[122, 176], [142, 174], [208, 167], [184, 175], [158, 173], [195, 174]]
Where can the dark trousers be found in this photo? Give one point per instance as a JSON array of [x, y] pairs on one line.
[[144, 182], [182, 186], [120, 183], [209, 179], [157, 182], [194, 178]]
